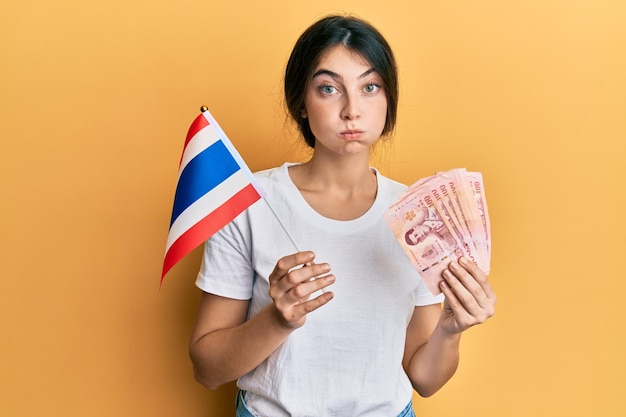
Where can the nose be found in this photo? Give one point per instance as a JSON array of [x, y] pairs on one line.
[[350, 110]]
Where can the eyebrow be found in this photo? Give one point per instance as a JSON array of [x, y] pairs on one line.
[[339, 77]]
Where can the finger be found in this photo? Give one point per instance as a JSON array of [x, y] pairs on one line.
[[453, 278], [450, 299], [287, 263], [479, 275], [292, 284], [469, 292], [453, 304], [295, 304], [465, 277], [315, 303], [303, 290], [485, 295], [306, 273], [299, 284]]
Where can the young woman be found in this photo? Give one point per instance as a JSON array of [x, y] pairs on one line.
[[345, 327]]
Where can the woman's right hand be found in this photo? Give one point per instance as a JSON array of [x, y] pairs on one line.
[[292, 282]]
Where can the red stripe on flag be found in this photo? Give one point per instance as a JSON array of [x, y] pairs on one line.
[[209, 225], [200, 123]]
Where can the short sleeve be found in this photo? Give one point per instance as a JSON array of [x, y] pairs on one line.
[[226, 269], [423, 296]]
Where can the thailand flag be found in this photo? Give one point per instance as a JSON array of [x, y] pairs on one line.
[[214, 186]]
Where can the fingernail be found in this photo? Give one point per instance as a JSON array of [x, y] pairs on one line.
[[463, 260]]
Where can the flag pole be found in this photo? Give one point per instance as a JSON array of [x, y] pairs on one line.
[[293, 242], [282, 225]]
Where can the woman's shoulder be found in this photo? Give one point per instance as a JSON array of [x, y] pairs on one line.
[[274, 171], [275, 175], [275, 182], [394, 188]]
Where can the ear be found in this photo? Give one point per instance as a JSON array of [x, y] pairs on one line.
[[303, 113]]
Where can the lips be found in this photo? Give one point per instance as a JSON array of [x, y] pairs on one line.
[[351, 134]]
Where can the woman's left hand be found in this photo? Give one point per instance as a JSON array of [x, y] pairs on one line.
[[470, 299]]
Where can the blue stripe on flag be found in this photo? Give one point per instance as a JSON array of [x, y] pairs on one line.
[[203, 173]]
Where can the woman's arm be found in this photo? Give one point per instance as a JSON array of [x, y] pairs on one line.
[[224, 346], [433, 335]]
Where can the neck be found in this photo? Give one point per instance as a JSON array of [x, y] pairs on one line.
[[347, 173], [341, 188]]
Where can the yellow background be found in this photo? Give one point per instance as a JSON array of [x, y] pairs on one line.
[[95, 101]]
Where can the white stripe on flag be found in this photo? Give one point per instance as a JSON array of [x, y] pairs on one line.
[[205, 137], [206, 204], [233, 151]]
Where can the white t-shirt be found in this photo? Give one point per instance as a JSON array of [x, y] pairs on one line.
[[347, 358]]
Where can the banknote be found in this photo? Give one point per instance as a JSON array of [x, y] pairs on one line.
[[459, 184], [478, 187], [441, 218]]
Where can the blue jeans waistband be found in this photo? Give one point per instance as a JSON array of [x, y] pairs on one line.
[[242, 410]]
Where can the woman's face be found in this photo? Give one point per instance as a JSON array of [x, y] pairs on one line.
[[345, 102]]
